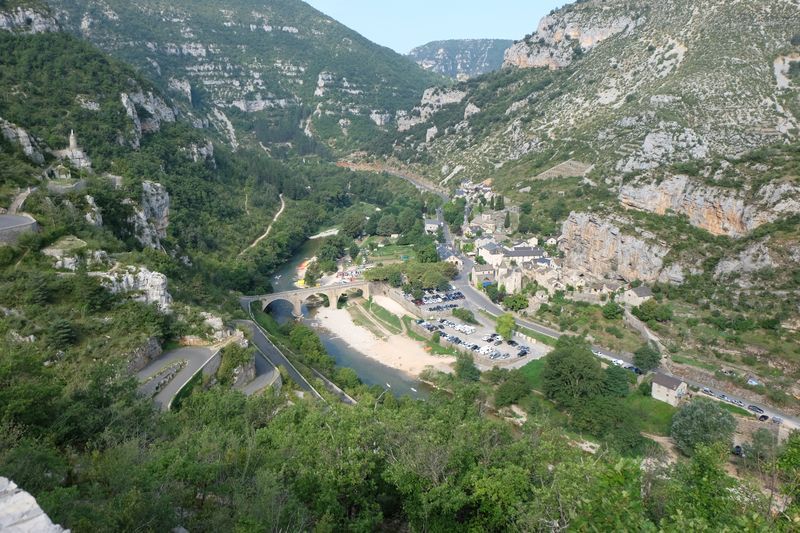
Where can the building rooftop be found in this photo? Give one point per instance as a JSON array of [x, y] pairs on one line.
[[642, 291], [667, 381], [431, 221], [483, 268], [525, 252]]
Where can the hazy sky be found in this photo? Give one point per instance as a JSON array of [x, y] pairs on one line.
[[404, 24]]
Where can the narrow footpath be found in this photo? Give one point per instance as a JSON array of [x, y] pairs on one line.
[[269, 229]]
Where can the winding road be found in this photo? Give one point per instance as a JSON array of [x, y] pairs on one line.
[[269, 229], [193, 360]]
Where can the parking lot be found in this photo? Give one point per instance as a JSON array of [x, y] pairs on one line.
[[486, 345]]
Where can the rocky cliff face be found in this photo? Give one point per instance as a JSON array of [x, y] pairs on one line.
[[596, 246], [27, 20], [220, 58], [19, 511], [720, 211], [564, 35], [16, 135], [155, 110], [461, 59], [151, 218], [144, 285], [648, 84], [432, 101]]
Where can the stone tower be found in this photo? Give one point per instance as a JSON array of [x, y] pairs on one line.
[[73, 140]]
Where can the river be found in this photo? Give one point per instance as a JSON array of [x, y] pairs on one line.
[[370, 371]]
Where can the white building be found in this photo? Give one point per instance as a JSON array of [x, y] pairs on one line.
[[432, 226], [668, 389]]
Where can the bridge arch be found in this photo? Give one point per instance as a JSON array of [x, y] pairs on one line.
[[297, 298]]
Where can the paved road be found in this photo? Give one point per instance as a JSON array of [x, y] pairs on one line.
[[195, 358], [266, 376], [12, 221], [276, 358]]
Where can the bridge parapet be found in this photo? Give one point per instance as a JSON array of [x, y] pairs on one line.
[[298, 297]]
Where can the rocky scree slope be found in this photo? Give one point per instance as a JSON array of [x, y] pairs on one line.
[[628, 85], [280, 68], [461, 59]]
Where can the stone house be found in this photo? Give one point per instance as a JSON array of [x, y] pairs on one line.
[[510, 278], [524, 254], [669, 389], [636, 296], [492, 253], [432, 226], [483, 275], [453, 260]]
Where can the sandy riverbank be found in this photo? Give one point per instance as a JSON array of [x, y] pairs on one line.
[[397, 351]]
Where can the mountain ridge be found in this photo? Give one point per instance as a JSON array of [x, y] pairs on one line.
[[461, 59]]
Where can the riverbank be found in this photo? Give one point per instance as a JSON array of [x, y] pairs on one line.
[[395, 351]]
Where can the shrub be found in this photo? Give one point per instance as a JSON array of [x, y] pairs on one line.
[[701, 422]]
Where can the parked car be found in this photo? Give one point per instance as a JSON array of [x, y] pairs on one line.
[[763, 418], [498, 342], [737, 450], [756, 409], [777, 420], [512, 343], [707, 391]]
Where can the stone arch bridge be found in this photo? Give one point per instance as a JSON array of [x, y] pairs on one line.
[[298, 297]]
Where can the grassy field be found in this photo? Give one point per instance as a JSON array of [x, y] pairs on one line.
[[654, 416], [357, 314], [735, 409], [387, 318]]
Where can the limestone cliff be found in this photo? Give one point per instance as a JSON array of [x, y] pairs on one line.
[[461, 59], [155, 111], [16, 135], [564, 35], [720, 211], [596, 246], [27, 20], [151, 217], [432, 101], [143, 284], [20, 513]]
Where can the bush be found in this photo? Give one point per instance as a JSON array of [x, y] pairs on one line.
[[612, 311], [512, 390], [701, 422], [465, 315]]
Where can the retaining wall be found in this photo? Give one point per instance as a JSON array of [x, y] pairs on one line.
[[11, 234]]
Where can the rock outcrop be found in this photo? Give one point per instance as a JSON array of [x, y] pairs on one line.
[[144, 285], [563, 35], [157, 111], [596, 246], [752, 259], [669, 142], [433, 99], [19, 512], [461, 59], [144, 355], [16, 135], [244, 374], [27, 20], [151, 218], [717, 210]]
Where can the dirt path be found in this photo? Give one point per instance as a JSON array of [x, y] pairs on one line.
[[269, 229]]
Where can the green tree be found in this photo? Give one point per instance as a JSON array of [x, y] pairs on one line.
[[571, 373], [701, 422], [506, 325], [500, 203], [513, 389], [647, 358], [466, 369], [653, 311], [61, 334], [353, 224], [516, 302], [427, 253], [612, 310], [507, 221], [616, 381]]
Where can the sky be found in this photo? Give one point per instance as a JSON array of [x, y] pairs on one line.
[[404, 24]]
